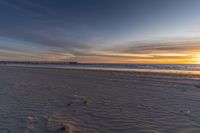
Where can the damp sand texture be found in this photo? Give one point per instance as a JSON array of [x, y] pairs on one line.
[[41, 100]]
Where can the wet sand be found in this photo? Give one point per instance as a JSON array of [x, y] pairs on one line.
[[39, 100]]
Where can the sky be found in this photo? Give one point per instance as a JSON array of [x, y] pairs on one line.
[[101, 31]]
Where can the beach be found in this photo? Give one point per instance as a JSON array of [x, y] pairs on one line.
[[52, 100]]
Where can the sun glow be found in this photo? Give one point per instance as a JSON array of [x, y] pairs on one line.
[[197, 59]]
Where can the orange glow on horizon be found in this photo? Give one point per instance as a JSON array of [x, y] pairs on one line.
[[149, 58]]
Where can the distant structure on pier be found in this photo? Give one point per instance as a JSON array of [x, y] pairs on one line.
[[73, 62], [38, 62]]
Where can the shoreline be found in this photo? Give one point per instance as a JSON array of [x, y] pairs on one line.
[[156, 71]]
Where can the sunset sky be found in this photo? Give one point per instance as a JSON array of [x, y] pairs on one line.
[[101, 31]]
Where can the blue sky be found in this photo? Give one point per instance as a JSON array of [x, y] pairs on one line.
[[95, 30]]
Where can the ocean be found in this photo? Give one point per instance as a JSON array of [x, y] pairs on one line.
[[149, 67]]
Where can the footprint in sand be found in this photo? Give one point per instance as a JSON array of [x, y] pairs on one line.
[[78, 100], [52, 124], [186, 112], [56, 123], [35, 124]]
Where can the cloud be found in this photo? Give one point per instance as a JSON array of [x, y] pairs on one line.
[[43, 25], [179, 51], [157, 47], [48, 48], [42, 31]]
